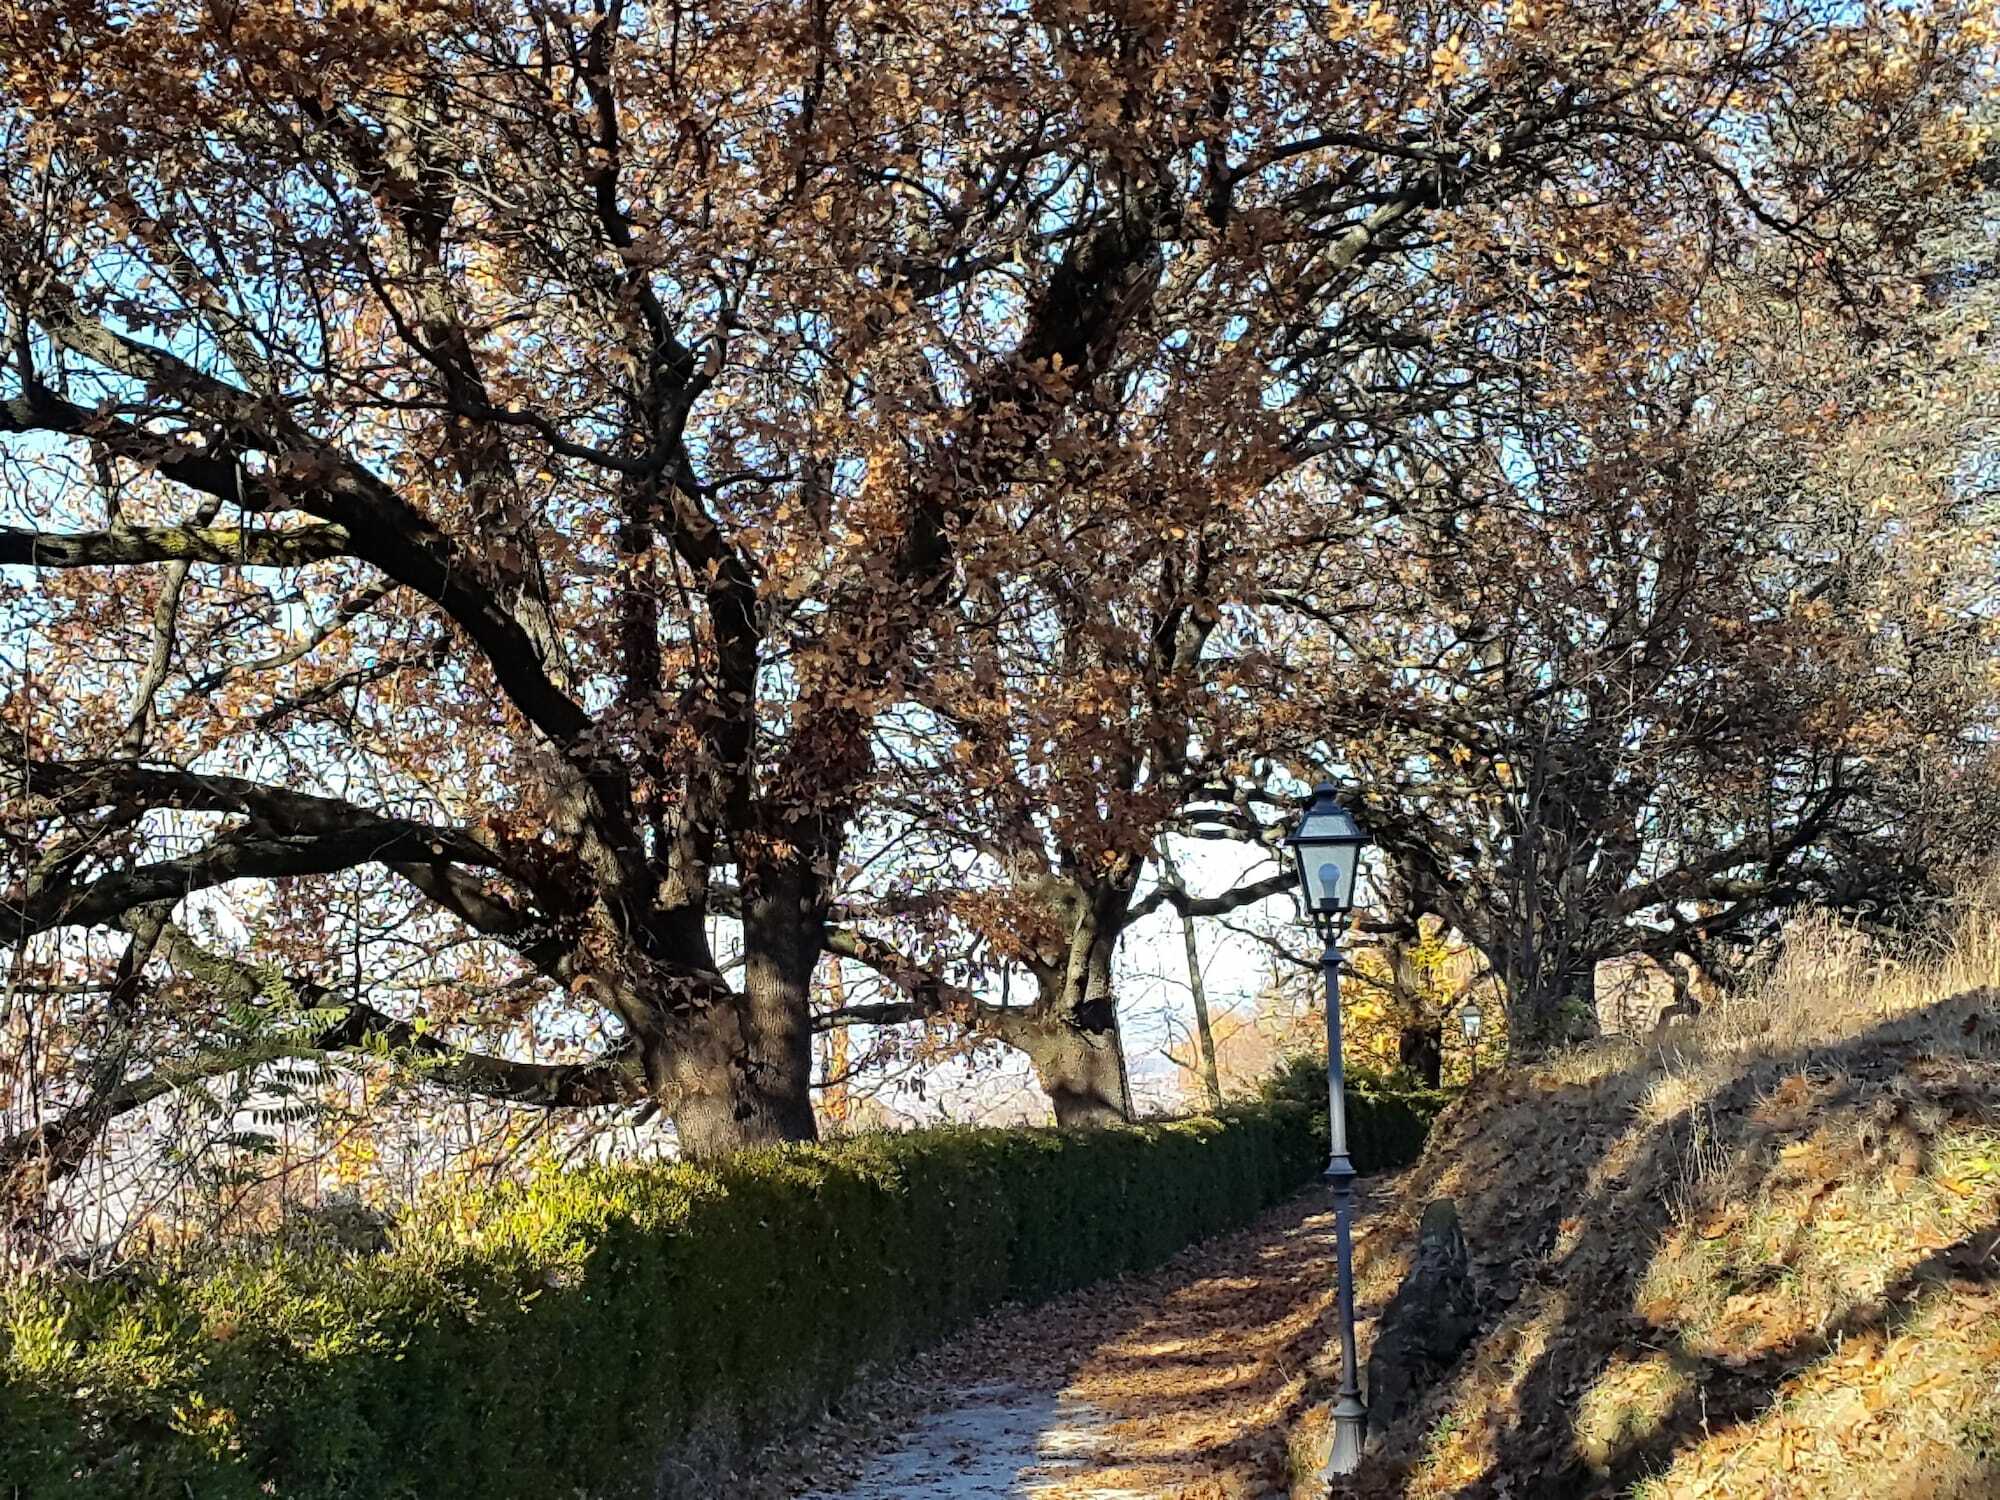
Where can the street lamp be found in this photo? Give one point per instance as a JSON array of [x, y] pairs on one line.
[[1328, 844], [1470, 1020]]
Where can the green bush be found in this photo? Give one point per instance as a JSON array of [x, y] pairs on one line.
[[1388, 1114], [608, 1332]]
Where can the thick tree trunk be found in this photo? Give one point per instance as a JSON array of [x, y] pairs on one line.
[[721, 1095], [782, 938], [1071, 1032], [1081, 1067], [738, 1074]]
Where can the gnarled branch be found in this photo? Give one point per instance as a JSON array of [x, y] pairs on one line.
[[227, 546]]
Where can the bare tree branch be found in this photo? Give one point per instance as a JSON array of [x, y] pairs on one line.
[[1220, 905]]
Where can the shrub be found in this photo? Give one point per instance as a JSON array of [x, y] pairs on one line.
[[1388, 1114], [608, 1332]]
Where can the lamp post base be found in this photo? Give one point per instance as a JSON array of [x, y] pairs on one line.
[[1350, 1429], [1350, 1413]]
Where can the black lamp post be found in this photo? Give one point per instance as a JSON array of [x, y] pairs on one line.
[[1328, 844]]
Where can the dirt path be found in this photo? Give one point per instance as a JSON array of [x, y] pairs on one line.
[[1000, 1441], [1179, 1385]]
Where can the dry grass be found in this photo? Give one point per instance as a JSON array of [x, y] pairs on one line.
[[1829, 984], [1754, 1256]]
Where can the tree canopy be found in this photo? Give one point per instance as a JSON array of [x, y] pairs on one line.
[[515, 513]]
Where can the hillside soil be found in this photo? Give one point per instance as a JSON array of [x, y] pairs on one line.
[[1755, 1257]]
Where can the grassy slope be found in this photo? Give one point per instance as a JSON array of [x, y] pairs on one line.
[[1756, 1256]]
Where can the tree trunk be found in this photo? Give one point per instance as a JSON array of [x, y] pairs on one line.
[[1420, 1051], [1553, 1003], [726, 1115], [1071, 1033], [1081, 1067], [739, 1074], [782, 942], [1204, 1033], [723, 1097], [835, 1097]]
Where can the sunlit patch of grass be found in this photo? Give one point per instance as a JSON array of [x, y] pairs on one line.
[[1681, 1287], [1829, 1231], [1672, 1092], [1912, 1413], [1966, 1164], [1628, 1405], [1442, 1433], [1586, 1064], [1458, 1447]]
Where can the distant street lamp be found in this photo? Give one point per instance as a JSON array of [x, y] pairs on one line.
[[1471, 1020], [1328, 844]]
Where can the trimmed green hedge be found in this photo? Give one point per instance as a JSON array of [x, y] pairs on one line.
[[1388, 1114], [608, 1332]]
